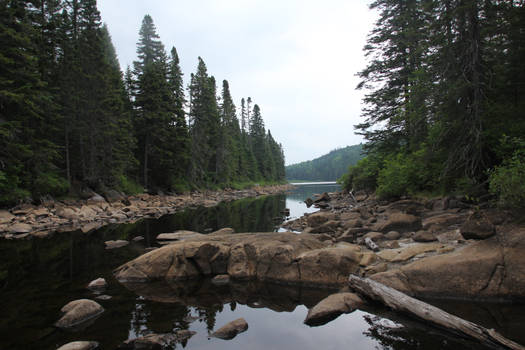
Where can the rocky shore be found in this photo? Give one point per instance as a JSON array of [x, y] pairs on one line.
[[444, 247], [26, 221]]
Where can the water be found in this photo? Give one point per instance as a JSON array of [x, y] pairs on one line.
[[38, 277]]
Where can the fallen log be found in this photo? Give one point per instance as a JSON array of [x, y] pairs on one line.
[[371, 244], [403, 303]]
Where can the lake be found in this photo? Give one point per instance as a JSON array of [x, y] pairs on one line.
[[39, 276]]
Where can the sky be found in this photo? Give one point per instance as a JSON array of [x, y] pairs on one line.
[[296, 59]]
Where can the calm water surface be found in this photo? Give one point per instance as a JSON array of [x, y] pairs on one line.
[[39, 276]]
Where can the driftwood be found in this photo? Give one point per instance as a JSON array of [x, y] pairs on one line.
[[403, 303]]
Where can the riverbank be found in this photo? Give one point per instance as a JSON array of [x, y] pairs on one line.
[[25, 221]]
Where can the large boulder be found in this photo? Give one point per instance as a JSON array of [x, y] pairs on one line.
[[424, 236], [319, 218], [67, 213], [492, 268], [97, 285], [278, 257], [230, 330], [20, 228], [79, 312], [331, 307]]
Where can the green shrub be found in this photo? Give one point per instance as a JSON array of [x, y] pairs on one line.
[[363, 175], [507, 181], [128, 186]]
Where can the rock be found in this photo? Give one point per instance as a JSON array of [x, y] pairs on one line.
[[319, 218], [6, 217], [375, 236], [96, 199], [103, 297], [67, 213], [331, 307], [408, 252], [491, 268], [442, 221], [80, 345], [323, 198], [328, 226], [20, 228], [87, 212], [371, 244], [178, 235], [378, 268], [113, 196], [116, 244], [354, 223], [368, 259], [220, 280], [79, 312], [308, 202], [157, 341], [23, 209], [230, 330], [138, 239], [424, 236], [392, 235], [400, 222], [274, 257], [223, 231], [477, 226], [97, 285], [41, 213]]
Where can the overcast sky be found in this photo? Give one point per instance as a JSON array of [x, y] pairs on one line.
[[296, 59]]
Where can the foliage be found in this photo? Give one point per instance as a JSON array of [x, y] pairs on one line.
[[328, 167], [363, 175], [507, 180]]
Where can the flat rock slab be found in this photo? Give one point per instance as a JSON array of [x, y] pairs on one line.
[[331, 307], [230, 330], [79, 312], [80, 345], [178, 235]]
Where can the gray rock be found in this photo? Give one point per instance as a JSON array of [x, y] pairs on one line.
[[116, 244], [424, 236], [220, 280], [5, 217], [79, 312], [477, 226], [97, 285], [331, 307], [230, 330]]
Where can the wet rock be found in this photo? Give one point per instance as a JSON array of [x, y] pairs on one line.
[[138, 239], [223, 231], [157, 341], [79, 312], [230, 330], [97, 285], [400, 222], [477, 226], [6, 217], [424, 236], [103, 297], [220, 280], [331, 307], [20, 228], [116, 244], [80, 345]]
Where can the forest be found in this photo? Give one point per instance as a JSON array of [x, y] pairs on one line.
[[445, 100], [328, 167], [71, 121]]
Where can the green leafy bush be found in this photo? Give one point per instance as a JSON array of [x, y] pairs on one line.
[[507, 181], [363, 175], [129, 186]]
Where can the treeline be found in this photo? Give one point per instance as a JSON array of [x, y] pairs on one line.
[[328, 167], [70, 120], [445, 109]]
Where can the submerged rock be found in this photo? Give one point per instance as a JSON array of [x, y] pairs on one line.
[[230, 330], [116, 244], [80, 345], [331, 307], [79, 312], [157, 341], [97, 285]]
